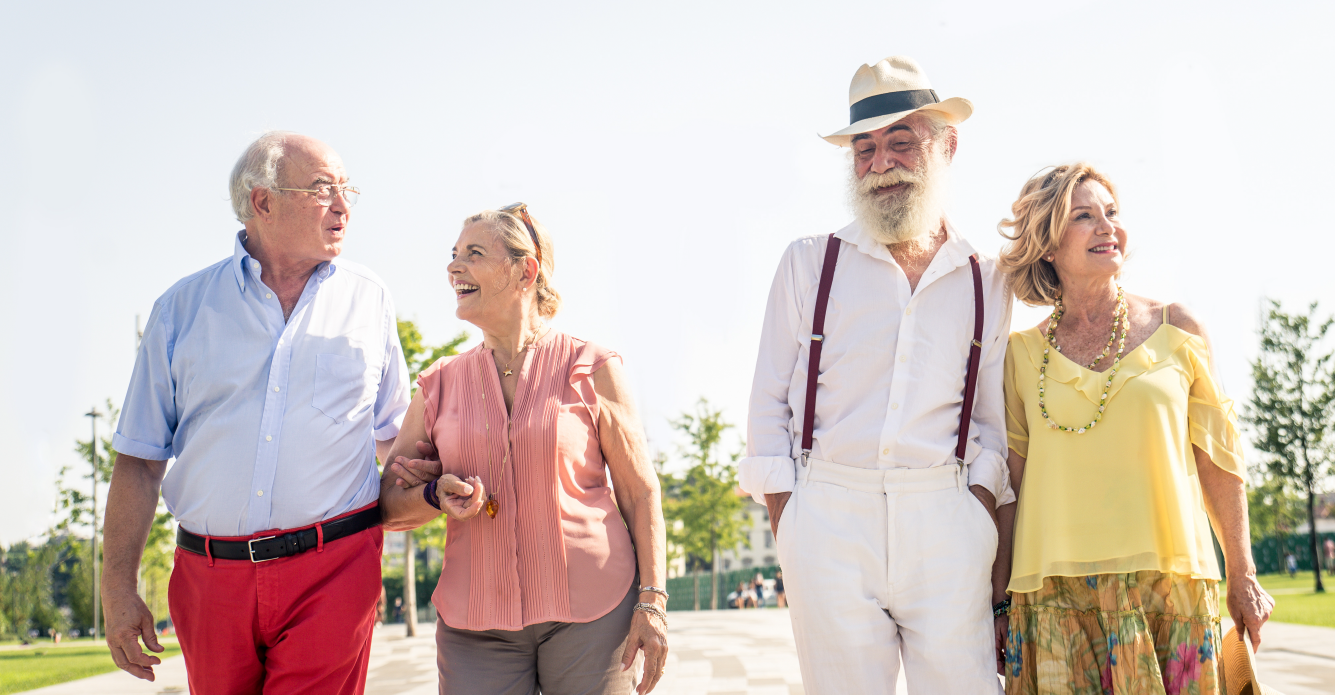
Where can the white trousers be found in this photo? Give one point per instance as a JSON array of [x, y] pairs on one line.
[[888, 565]]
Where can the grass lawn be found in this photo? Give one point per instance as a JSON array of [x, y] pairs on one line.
[[26, 669], [1295, 602]]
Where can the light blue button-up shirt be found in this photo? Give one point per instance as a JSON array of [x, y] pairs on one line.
[[271, 423]]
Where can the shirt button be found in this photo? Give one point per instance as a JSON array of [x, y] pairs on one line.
[[268, 295], [259, 493], [902, 358], [269, 437], [894, 406], [908, 311], [275, 389], [885, 451]]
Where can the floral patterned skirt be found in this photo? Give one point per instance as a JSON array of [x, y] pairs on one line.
[[1135, 634]]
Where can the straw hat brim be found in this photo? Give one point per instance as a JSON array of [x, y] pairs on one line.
[[955, 109], [1240, 666]]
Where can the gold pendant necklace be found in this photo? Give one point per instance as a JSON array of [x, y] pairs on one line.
[[493, 506], [1120, 315], [524, 348]]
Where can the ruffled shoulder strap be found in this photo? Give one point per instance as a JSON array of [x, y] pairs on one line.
[[1211, 413], [432, 381], [589, 358]]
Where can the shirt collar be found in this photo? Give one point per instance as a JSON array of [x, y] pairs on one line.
[[241, 258], [957, 249]]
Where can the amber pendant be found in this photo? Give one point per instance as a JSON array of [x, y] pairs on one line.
[[493, 506]]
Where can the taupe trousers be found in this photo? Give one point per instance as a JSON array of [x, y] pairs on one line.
[[551, 658]]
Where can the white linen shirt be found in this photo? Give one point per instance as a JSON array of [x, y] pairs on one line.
[[893, 365], [271, 422]]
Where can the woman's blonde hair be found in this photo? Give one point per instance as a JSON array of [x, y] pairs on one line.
[[513, 234], [1038, 225]]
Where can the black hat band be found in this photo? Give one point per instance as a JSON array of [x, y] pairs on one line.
[[891, 102]]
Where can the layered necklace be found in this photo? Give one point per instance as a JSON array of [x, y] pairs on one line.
[[493, 506], [1120, 317]]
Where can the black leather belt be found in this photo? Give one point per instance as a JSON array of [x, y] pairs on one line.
[[276, 546]]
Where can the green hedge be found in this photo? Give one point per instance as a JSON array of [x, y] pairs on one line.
[[682, 589]]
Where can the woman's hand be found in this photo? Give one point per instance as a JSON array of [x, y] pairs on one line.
[[460, 499], [413, 472], [1249, 605], [648, 632]]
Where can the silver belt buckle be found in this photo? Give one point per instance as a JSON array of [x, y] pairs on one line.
[[251, 545]]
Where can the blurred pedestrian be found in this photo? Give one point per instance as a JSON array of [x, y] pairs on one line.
[[778, 589], [1291, 564]]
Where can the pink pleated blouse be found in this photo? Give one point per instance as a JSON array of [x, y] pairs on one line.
[[558, 550]]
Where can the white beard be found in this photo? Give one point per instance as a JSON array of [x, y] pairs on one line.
[[905, 216]]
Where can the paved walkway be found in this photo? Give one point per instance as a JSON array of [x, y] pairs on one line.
[[720, 653]]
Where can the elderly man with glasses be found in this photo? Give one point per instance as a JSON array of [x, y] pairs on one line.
[[274, 378]]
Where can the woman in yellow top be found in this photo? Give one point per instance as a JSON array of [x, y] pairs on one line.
[[1121, 444]]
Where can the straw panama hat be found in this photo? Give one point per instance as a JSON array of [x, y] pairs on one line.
[[888, 91], [1240, 667]]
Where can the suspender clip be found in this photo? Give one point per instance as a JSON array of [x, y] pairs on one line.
[[977, 344], [805, 454], [817, 337]]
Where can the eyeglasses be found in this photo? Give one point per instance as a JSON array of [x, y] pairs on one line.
[[326, 192], [520, 210]]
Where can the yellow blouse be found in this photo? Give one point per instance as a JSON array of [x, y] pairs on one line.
[[1122, 497]]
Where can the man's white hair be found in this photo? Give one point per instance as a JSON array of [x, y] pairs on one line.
[[258, 167]]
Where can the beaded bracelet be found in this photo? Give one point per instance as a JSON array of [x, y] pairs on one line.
[[429, 494], [655, 590], [1001, 608], [651, 609]]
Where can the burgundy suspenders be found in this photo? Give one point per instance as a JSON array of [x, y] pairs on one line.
[[818, 338]]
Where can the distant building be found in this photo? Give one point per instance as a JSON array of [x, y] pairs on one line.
[[763, 552]]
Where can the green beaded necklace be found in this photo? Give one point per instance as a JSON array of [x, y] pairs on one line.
[[1120, 315]]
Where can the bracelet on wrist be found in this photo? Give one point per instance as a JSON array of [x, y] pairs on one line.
[[653, 610], [1001, 608], [655, 590], [429, 494]]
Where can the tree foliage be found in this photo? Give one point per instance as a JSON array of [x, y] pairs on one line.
[[702, 506], [1291, 408]]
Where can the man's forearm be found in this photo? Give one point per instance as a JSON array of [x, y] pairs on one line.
[[131, 504], [1001, 567]]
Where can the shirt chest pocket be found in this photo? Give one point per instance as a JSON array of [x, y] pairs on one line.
[[344, 387]]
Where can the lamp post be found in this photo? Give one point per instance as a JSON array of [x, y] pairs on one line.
[[97, 597]]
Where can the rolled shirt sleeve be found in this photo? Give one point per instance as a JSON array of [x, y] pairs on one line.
[[988, 467], [147, 425], [391, 401], [768, 466]]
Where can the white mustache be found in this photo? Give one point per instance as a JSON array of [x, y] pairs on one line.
[[872, 181]]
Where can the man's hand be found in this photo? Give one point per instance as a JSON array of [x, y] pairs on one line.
[[1000, 628], [414, 472], [776, 501], [988, 500], [128, 619]]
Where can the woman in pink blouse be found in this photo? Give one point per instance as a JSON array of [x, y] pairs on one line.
[[552, 577]]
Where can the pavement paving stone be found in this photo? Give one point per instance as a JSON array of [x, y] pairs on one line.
[[748, 652]]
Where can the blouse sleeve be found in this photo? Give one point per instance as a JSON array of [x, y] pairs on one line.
[[1210, 415], [1017, 424], [429, 383], [589, 359]]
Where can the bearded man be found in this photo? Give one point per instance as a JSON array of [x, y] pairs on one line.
[[871, 340]]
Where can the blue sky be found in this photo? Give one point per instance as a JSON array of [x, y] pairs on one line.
[[670, 149]]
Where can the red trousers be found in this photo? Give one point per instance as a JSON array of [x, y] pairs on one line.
[[299, 624]]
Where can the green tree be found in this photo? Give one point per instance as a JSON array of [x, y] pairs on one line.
[[1291, 407], [1274, 511], [702, 506], [27, 598], [419, 356]]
